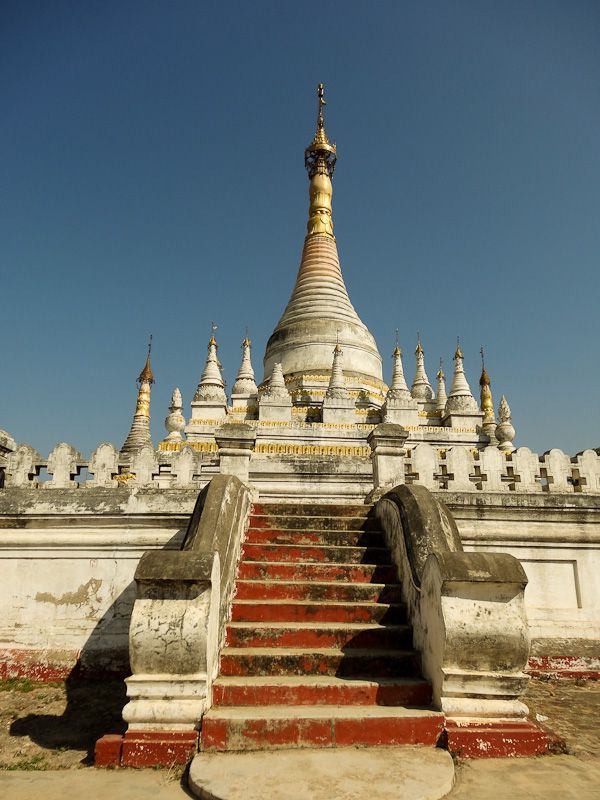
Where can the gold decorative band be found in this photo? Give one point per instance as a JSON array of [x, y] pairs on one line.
[[199, 447], [310, 449]]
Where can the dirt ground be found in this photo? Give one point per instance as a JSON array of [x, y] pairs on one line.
[[54, 726]]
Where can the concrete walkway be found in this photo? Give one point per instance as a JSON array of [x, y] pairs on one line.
[[546, 778], [418, 773]]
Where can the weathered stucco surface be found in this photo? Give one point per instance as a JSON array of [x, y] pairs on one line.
[[84, 546]]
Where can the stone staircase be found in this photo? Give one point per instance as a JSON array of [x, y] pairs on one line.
[[318, 651]]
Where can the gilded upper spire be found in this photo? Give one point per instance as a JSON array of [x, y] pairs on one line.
[[488, 425], [319, 160], [487, 403]]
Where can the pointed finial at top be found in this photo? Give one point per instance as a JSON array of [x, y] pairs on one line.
[[484, 380], [320, 155], [322, 102], [458, 353], [419, 348], [440, 373], [146, 374], [213, 327]]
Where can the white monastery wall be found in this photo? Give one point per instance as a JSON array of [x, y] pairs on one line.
[[68, 555]]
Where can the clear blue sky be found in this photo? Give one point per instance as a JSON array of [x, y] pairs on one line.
[[153, 181]]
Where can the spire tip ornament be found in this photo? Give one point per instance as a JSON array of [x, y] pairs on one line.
[[458, 353], [146, 375]]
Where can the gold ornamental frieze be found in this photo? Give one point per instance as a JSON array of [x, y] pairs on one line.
[[199, 447], [312, 450]]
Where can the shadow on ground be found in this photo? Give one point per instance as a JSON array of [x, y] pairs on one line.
[[93, 709], [95, 690]]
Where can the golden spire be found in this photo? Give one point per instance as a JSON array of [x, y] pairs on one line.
[[139, 433]]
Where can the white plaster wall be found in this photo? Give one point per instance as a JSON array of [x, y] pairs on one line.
[[562, 597], [70, 593]]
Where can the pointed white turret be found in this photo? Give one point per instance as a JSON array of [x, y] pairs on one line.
[[441, 396], [274, 401], [276, 386], [245, 383], [460, 399], [210, 401], [338, 405], [212, 385], [400, 407], [421, 388], [337, 385], [398, 389], [244, 395]]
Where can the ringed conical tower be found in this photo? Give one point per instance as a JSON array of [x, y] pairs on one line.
[[319, 314]]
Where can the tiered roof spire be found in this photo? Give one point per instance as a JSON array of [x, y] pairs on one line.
[[398, 389], [139, 434], [212, 385], [337, 385], [460, 398]]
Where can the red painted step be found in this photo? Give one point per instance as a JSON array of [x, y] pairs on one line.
[[298, 590], [309, 635], [299, 611], [348, 573], [278, 727], [307, 537], [357, 662], [344, 555], [320, 691], [311, 523], [318, 510]]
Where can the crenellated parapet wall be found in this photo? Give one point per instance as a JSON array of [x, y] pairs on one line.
[[453, 468]]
